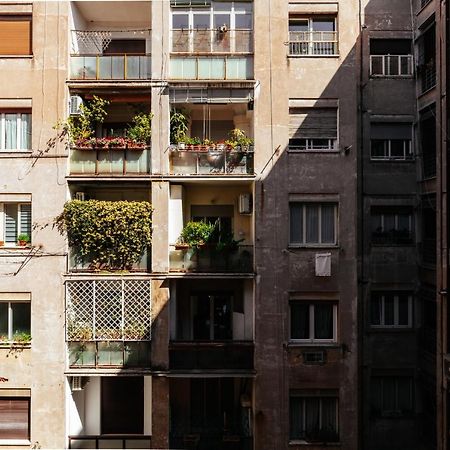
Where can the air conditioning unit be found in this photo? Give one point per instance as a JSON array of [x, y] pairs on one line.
[[245, 204], [76, 384], [74, 105], [80, 196]]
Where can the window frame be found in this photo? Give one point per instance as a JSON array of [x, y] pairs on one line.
[[320, 244], [392, 240], [10, 318], [311, 311], [386, 66], [381, 297], [387, 144], [18, 222], [309, 19], [393, 413], [311, 147], [19, 147], [303, 397], [18, 440]]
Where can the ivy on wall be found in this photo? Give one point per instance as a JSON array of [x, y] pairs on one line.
[[106, 234]]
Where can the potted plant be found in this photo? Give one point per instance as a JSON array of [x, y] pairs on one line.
[[140, 134], [179, 121], [238, 139], [23, 240], [196, 234]]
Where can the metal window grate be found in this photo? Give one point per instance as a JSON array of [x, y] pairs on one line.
[[108, 310]]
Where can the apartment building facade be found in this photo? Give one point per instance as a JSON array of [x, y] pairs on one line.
[[271, 324]]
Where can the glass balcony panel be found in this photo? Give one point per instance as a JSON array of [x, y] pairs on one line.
[[184, 163], [211, 68], [239, 69], [145, 67], [183, 68], [137, 161], [133, 67], [83, 161], [110, 443], [118, 67], [137, 354], [110, 353], [82, 443], [81, 353], [104, 68], [77, 68], [137, 443]]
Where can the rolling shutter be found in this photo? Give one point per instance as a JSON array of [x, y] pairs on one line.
[[310, 123], [14, 413], [25, 219], [10, 222], [15, 35]]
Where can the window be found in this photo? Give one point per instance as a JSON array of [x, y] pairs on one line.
[[427, 59], [313, 417], [427, 128], [122, 405], [312, 36], [313, 322], [390, 141], [14, 418], [212, 316], [313, 223], [15, 321], [392, 396], [15, 35], [313, 129], [390, 57], [15, 131], [15, 220], [393, 225], [391, 310]]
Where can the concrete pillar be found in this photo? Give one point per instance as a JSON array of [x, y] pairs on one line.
[[160, 407]]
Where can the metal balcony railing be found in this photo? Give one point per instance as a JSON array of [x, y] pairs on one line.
[[212, 41], [108, 309], [320, 43], [103, 161], [202, 161], [110, 67], [428, 77], [234, 355], [209, 259], [211, 67]]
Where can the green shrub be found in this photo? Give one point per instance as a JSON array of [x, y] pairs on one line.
[[141, 131], [110, 235]]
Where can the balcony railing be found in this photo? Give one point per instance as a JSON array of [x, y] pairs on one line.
[[209, 259], [109, 441], [212, 41], [100, 354], [211, 67], [117, 161], [202, 161], [108, 310], [78, 263], [321, 43], [428, 76], [428, 251], [110, 67], [235, 355]]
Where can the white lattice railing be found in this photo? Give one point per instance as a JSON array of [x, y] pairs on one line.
[[101, 310]]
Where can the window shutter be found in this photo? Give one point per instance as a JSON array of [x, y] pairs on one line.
[[14, 414], [25, 219], [10, 222], [15, 35], [310, 123], [384, 130]]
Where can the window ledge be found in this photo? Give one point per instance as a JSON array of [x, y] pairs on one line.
[[13, 344], [314, 56], [390, 244], [315, 444], [296, 344], [377, 329], [313, 246], [4, 442], [392, 77], [396, 161], [16, 56], [332, 151], [18, 152], [16, 247]]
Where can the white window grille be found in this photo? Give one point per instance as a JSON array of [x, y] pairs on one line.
[[99, 310], [391, 65]]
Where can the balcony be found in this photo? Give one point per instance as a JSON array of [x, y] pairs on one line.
[[79, 263], [316, 43], [110, 161], [110, 67], [210, 260], [194, 356], [108, 323], [200, 160]]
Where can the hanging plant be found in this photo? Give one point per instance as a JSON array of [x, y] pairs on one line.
[[107, 235]]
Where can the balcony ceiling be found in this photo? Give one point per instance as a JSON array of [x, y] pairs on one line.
[[122, 14]]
